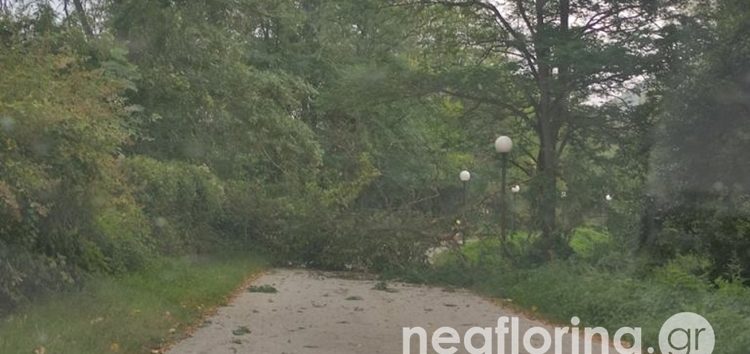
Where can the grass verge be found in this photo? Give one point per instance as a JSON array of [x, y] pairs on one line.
[[603, 288], [135, 313]]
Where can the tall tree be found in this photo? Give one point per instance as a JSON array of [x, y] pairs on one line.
[[566, 55]]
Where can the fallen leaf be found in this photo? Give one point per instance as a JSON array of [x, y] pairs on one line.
[[241, 330]]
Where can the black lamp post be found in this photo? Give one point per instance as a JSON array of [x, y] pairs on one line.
[[503, 145], [464, 176]]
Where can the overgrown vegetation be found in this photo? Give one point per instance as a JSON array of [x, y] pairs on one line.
[[128, 143], [603, 288]]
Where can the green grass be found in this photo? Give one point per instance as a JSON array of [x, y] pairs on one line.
[[134, 313], [586, 242]]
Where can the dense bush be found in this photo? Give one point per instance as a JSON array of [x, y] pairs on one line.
[[61, 204], [183, 201], [612, 290], [711, 225], [23, 273]]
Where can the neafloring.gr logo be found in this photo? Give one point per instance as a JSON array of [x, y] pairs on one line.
[[687, 333], [683, 333]]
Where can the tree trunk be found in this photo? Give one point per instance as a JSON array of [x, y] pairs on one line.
[[81, 11], [553, 109], [547, 131], [547, 172]]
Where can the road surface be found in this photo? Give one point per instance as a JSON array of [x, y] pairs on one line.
[[323, 313]]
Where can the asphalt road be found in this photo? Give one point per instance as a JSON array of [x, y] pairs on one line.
[[315, 312]]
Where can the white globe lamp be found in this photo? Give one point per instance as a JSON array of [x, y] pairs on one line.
[[464, 176]]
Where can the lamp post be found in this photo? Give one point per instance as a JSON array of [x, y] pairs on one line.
[[563, 195], [608, 198], [515, 189], [503, 145], [464, 176]]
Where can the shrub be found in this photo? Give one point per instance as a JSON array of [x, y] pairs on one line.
[[589, 243], [622, 293], [182, 200], [23, 273], [62, 121], [126, 239]]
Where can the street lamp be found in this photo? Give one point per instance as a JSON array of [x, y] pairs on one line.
[[464, 176], [608, 198], [503, 145], [563, 195], [515, 189]]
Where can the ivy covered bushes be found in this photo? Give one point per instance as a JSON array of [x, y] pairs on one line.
[[63, 206]]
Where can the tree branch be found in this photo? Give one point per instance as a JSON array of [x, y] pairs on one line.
[[517, 112], [83, 18], [520, 40], [603, 16], [522, 12]]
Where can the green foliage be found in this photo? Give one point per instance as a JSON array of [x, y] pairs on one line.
[[126, 242], [23, 273], [205, 101], [589, 243], [183, 200], [63, 120], [614, 292], [688, 273]]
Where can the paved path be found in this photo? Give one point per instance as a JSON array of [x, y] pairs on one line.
[[321, 313]]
